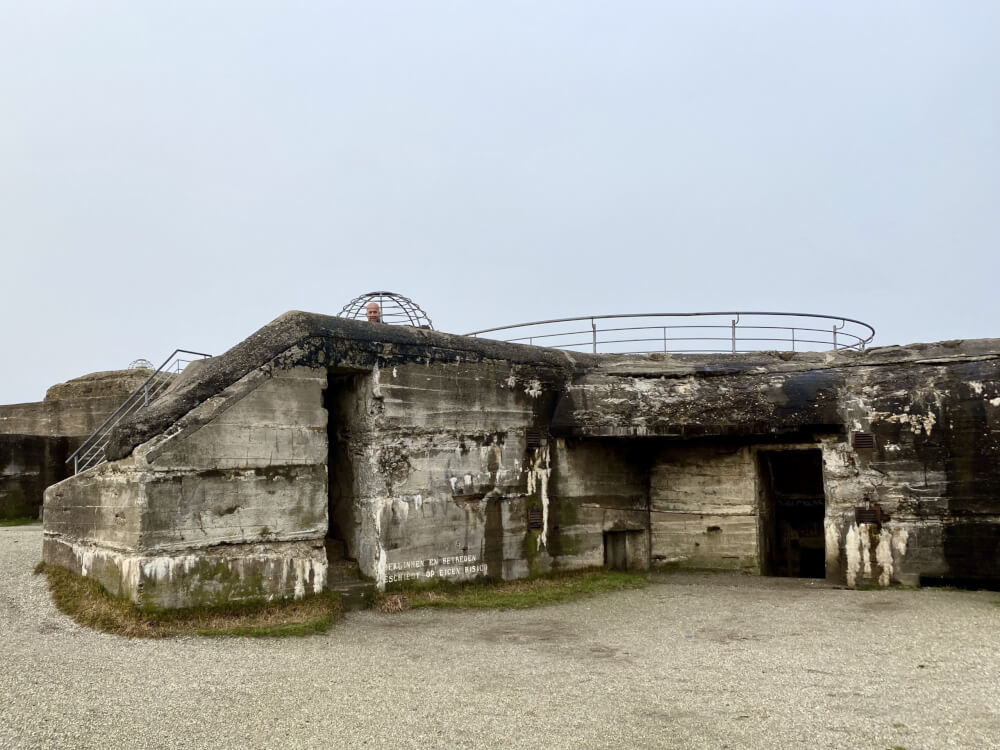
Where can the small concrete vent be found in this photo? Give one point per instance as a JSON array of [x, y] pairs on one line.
[[872, 514], [532, 438], [534, 518], [863, 441]]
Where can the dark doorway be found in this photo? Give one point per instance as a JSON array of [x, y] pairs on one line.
[[792, 507], [338, 400], [626, 550], [615, 550]]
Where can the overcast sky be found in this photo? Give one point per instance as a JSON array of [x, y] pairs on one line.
[[178, 174]]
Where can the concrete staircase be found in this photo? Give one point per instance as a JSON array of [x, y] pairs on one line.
[[344, 576]]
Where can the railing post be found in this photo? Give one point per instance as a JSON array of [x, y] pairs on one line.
[[664, 338], [835, 338], [734, 336], [593, 327]]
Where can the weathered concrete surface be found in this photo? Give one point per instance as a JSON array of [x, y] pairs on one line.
[[424, 455], [441, 474], [703, 506], [208, 576], [74, 408], [37, 438], [308, 339], [695, 662], [252, 477], [29, 464], [935, 471]]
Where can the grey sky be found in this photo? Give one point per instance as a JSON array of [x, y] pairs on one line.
[[179, 174]]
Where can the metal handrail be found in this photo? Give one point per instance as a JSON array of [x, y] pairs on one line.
[[91, 451], [839, 338]]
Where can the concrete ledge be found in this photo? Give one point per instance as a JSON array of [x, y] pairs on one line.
[[216, 575]]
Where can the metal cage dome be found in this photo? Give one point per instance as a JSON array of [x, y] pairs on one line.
[[396, 309]]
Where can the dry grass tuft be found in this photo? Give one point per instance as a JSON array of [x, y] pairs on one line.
[[519, 594], [89, 604], [19, 521], [392, 603]]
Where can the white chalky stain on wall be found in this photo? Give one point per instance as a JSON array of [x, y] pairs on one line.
[[852, 546], [534, 388], [883, 556], [890, 540], [832, 542], [304, 569], [915, 422], [127, 564], [686, 388], [401, 509], [167, 568], [858, 547], [899, 539], [865, 532], [538, 480], [377, 505]]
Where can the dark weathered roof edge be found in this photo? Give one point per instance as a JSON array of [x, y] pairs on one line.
[[375, 340], [294, 328]]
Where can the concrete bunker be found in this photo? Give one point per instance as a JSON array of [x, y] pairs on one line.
[[325, 452], [792, 512]]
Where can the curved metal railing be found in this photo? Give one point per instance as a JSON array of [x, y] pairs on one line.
[[91, 451], [650, 332]]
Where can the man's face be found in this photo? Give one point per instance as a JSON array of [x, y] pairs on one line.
[[373, 312]]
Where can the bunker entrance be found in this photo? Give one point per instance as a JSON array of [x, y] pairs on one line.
[[626, 550], [339, 401], [792, 507]]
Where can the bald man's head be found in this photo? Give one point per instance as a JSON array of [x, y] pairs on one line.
[[373, 312]]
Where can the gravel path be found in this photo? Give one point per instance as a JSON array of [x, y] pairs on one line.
[[712, 661]]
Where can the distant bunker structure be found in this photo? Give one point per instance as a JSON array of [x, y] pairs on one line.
[[37, 438], [331, 452]]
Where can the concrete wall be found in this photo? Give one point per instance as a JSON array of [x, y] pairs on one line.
[[425, 456], [435, 478], [934, 472], [704, 506], [29, 464], [599, 487], [37, 438], [445, 465], [230, 505]]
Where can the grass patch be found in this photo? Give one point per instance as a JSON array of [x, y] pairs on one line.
[[19, 521], [89, 604], [527, 592]]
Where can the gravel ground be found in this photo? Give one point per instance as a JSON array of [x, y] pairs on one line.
[[710, 661]]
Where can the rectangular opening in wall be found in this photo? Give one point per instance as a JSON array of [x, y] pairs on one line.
[[626, 550], [791, 513], [339, 402], [615, 550]]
